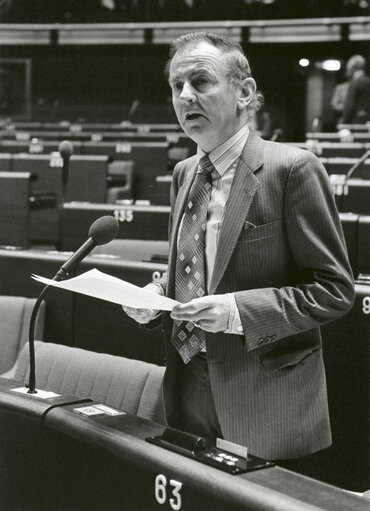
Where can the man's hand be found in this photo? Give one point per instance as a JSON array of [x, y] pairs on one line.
[[143, 316], [211, 313]]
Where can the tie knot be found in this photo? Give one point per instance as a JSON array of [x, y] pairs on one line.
[[206, 167]]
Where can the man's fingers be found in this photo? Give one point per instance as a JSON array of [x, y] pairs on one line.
[[206, 315], [194, 306], [140, 315]]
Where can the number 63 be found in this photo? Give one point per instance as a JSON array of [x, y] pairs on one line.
[[161, 492]]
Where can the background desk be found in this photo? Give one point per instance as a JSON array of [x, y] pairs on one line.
[[135, 222]]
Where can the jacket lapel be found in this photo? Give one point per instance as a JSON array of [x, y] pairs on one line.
[[243, 189]]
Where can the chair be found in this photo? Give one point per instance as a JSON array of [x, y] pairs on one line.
[[129, 385], [120, 181], [15, 315]]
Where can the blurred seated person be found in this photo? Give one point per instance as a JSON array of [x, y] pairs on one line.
[[268, 122], [357, 103], [338, 99], [356, 7]]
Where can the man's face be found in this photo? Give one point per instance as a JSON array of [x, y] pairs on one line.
[[204, 98]]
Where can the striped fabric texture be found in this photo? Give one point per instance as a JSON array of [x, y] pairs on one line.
[[281, 251]]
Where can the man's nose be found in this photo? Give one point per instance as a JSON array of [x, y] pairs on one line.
[[187, 93]]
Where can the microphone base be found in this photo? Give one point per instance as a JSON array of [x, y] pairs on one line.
[[42, 394]]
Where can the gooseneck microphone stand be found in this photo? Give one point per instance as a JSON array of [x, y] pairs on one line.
[[60, 275], [31, 339], [65, 151], [358, 164], [31, 333], [102, 231]]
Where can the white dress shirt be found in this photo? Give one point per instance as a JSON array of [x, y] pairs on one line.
[[225, 159]]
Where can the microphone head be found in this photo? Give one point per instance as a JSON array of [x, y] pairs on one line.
[[65, 149], [104, 229]]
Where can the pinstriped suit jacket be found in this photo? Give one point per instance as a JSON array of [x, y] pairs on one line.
[[282, 252]]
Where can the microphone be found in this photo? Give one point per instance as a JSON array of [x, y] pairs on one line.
[[358, 164], [316, 124], [66, 150], [102, 231], [276, 134], [133, 108], [339, 182]]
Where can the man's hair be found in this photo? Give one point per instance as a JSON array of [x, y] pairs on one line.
[[237, 62]]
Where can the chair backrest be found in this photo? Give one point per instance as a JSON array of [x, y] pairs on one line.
[[120, 181], [129, 385], [15, 315], [15, 208]]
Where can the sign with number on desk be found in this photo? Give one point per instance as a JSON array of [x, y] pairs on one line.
[[124, 215]]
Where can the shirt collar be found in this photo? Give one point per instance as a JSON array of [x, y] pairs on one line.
[[226, 153]]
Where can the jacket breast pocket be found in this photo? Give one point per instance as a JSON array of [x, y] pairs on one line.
[[250, 232], [285, 360]]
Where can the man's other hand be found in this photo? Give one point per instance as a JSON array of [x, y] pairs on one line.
[[143, 316]]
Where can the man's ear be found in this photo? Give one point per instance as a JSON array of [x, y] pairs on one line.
[[247, 91]]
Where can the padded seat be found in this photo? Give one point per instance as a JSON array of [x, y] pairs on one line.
[[129, 385]]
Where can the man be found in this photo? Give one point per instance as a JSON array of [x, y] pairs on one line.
[[357, 103], [275, 267], [338, 99]]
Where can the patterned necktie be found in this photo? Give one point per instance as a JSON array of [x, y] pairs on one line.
[[190, 263]]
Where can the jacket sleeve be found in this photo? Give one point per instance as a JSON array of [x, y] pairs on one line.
[[316, 243], [349, 110]]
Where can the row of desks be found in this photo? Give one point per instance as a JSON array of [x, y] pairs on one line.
[[363, 127], [135, 151], [53, 458], [344, 135], [342, 165], [334, 149], [116, 145], [90, 177], [151, 223], [144, 223], [75, 127], [178, 139], [337, 158]]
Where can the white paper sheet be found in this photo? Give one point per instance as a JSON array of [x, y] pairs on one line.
[[100, 285]]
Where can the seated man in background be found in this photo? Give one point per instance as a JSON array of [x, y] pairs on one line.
[[338, 99], [357, 103], [258, 262]]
